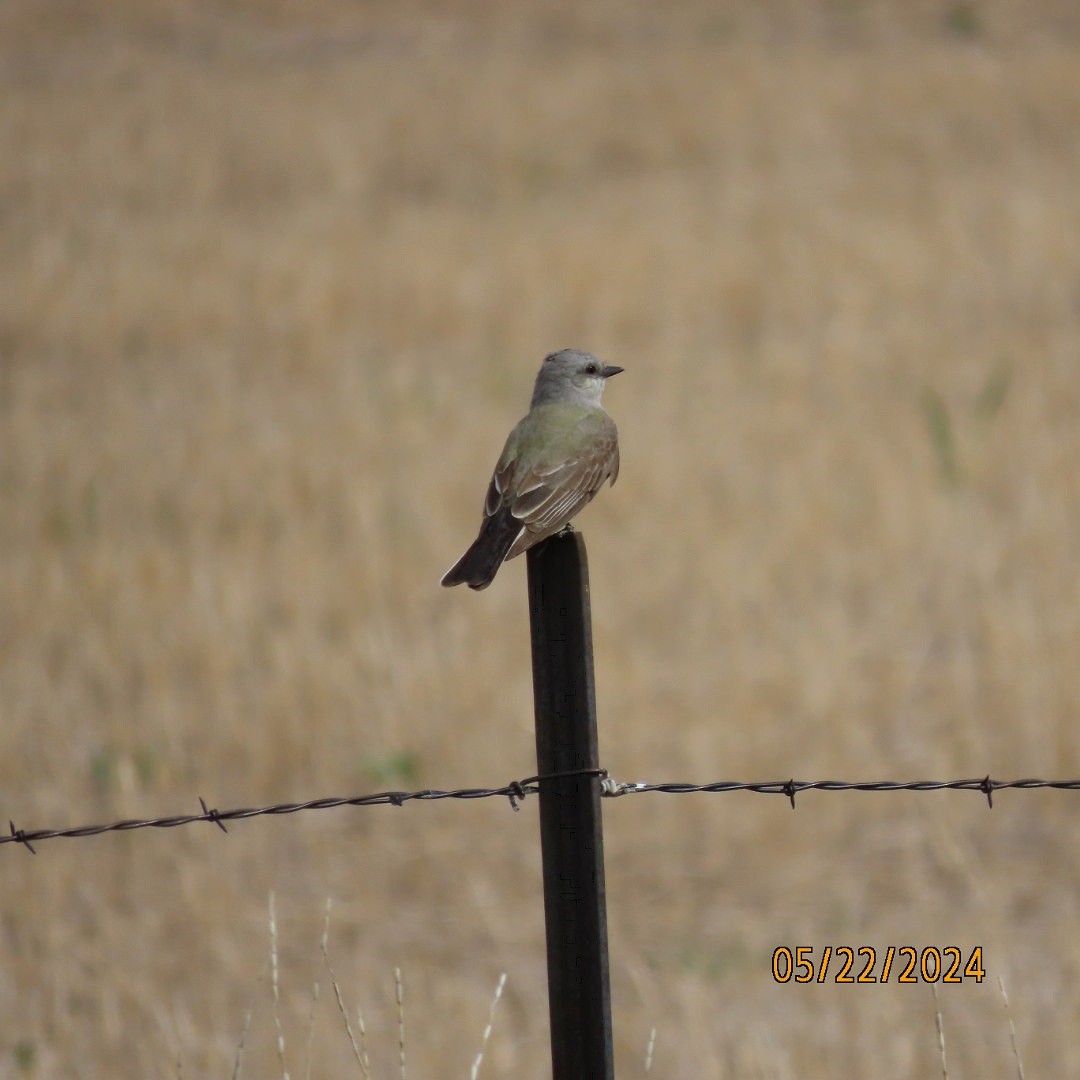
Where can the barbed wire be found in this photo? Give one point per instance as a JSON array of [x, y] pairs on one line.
[[516, 790], [790, 788]]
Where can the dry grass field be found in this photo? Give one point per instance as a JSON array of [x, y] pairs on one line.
[[274, 282]]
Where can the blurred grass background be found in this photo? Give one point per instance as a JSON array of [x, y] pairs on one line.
[[275, 281]]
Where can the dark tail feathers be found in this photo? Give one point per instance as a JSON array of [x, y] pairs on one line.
[[479, 565]]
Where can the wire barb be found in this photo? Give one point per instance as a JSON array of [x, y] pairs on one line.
[[212, 815], [19, 837]]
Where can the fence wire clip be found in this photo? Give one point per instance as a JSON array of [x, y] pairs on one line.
[[612, 789], [19, 836], [212, 815], [516, 794]]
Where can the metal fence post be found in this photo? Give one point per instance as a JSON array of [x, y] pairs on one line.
[[571, 835]]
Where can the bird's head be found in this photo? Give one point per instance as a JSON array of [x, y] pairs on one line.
[[572, 375]]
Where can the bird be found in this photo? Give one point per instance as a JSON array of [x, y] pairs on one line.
[[555, 460]]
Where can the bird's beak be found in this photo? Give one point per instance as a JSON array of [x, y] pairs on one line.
[[611, 369]]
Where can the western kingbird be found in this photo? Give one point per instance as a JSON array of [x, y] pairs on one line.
[[554, 462]]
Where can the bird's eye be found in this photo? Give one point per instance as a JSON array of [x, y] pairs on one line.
[[590, 369]]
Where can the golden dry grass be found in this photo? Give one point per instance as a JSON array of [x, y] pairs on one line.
[[274, 285]]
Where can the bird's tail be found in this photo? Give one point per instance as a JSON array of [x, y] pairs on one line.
[[479, 565]]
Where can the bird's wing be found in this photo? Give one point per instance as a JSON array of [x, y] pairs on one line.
[[547, 495]]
